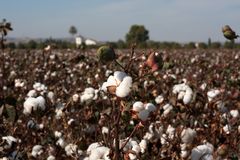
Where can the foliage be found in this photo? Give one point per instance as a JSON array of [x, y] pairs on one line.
[[137, 34], [72, 30]]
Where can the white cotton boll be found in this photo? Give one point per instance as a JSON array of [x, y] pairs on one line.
[[50, 96], [108, 72], [143, 145], [212, 94], [100, 153], [136, 148], [167, 109], [124, 88], [10, 140], [57, 134], [119, 76], [37, 150], [163, 139], [183, 146], [59, 113], [71, 149], [143, 115], [75, 97], [4, 158], [132, 156], [70, 121], [202, 152], [188, 135], [184, 154], [32, 93], [227, 129], [60, 142], [41, 102], [170, 132], [29, 105], [150, 107], [148, 136], [203, 86], [145, 84], [188, 96], [104, 86], [181, 95], [239, 129], [51, 157], [159, 99], [92, 147], [234, 113], [138, 106], [105, 130]]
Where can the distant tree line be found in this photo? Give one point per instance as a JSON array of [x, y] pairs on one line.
[[137, 35]]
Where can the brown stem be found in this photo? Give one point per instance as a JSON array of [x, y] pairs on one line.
[[116, 125], [134, 130], [119, 64], [131, 58]]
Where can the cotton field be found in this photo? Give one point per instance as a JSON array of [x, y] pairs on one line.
[[131, 105]]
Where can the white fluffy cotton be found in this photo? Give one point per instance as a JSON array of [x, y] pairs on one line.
[[71, 149], [234, 113], [202, 152], [124, 88], [138, 106], [121, 81], [212, 94], [159, 99], [37, 150], [89, 94], [10, 140], [184, 92], [188, 135], [32, 104]]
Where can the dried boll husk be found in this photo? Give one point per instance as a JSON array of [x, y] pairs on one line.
[[155, 61]]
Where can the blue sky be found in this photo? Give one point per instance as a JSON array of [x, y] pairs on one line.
[[166, 20]]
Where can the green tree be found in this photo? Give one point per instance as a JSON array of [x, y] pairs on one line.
[[73, 30], [137, 34], [216, 45]]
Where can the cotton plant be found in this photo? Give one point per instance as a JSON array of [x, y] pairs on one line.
[[119, 84], [202, 152], [97, 151], [142, 111], [37, 150], [184, 92], [89, 94], [10, 140], [34, 104], [213, 93]]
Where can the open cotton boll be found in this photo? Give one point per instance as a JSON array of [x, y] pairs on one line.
[[37, 150], [119, 76], [60, 142], [188, 96], [57, 134], [29, 105], [170, 132], [92, 147], [41, 102], [138, 106], [202, 152], [227, 129], [143, 145], [188, 135], [32, 93], [10, 140], [51, 157], [159, 99], [143, 115], [150, 107], [71, 149], [124, 88], [75, 97], [212, 94], [132, 156], [234, 113], [108, 72], [100, 153], [105, 130], [167, 109], [184, 154], [181, 95], [50, 96]]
